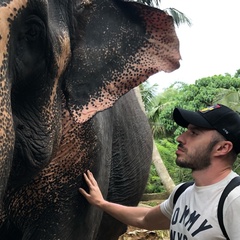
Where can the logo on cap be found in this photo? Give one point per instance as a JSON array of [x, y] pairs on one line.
[[210, 108]]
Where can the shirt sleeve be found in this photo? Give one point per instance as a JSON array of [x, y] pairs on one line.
[[166, 207]]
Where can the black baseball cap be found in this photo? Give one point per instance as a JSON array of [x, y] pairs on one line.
[[218, 117]]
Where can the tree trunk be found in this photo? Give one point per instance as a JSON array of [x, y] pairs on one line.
[[156, 158], [162, 170]]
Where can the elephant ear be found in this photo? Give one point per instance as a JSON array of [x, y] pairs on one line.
[[116, 45]]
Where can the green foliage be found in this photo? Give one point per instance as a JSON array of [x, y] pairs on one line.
[[148, 93], [236, 166], [154, 184]]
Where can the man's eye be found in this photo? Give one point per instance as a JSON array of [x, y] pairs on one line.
[[193, 133]]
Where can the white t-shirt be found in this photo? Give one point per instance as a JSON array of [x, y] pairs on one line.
[[195, 214]]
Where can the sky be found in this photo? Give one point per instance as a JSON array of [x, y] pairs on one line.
[[211, 46]]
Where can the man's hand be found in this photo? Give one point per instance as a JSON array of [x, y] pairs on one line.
[[94, 196], [141, 217]]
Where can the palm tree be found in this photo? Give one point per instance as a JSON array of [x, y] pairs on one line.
[[156, 158], [160, 103], [231, 98], [148, 93]]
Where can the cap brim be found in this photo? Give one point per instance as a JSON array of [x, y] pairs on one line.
[[184, 117]]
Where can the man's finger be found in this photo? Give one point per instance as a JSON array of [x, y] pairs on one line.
[[85, 177], [91, 178], [83, 192]]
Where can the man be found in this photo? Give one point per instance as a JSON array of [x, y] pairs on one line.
[[209, 147]]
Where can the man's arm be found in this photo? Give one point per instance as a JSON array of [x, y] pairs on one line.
[[141, 217]]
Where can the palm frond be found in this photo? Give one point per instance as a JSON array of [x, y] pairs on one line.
[[179, 17]]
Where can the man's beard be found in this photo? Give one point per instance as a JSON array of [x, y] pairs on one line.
[[198, 160]]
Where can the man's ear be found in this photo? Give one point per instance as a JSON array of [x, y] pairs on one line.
[[223, 148]]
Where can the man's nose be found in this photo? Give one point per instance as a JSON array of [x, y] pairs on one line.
[[181, 138]]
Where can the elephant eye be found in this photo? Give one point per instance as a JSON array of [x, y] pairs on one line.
[[32, 33], [34, 30]]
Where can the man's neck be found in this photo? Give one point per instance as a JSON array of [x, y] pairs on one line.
[[211, 175]]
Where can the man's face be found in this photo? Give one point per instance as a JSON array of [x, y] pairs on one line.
[[195, 147]]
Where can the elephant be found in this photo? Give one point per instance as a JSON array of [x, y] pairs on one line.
[[68, 69]]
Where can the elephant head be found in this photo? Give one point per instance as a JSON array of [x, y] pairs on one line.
[[69, 59], [88, 52]]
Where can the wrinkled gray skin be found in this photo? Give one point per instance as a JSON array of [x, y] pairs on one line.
[[64, 64]]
